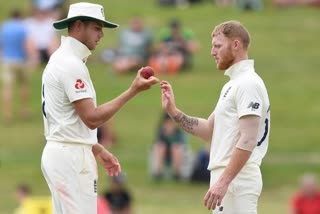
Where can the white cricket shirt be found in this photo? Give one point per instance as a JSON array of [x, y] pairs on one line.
[[66, 79], [244, 94]]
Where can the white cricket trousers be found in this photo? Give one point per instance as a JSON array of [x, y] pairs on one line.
[[70, 170], [243, 192]]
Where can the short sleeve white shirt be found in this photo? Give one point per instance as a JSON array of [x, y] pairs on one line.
[[65, 80], [244, 94]]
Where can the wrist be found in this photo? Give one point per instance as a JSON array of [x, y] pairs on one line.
[[97, 149], [173, 113], [224, 181], [226, 177]]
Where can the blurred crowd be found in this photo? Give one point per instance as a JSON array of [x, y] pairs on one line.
[[171, 156], [171, 53], [307, 199], [27, 40], [247, 5]]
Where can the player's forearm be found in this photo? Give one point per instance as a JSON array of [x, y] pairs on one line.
[[196, 126], [105, 111], [97, 149], [238, 159]]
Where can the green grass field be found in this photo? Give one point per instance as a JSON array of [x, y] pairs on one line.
[[286, 52]]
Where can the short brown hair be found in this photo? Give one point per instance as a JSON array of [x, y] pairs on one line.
[[233, 29]]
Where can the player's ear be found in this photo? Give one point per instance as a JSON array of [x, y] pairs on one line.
[[76, 25], [236, 44]]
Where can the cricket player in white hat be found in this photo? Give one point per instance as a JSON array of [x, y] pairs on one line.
[[71, 115]]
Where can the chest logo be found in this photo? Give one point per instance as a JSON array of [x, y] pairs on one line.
[[79, 84]]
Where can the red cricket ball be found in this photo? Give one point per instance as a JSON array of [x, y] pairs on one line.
[[147, 72]]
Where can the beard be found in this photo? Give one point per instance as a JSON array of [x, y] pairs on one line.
[[226, 60]]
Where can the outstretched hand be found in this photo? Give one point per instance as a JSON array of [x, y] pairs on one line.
[[140, 83], [167, 97]]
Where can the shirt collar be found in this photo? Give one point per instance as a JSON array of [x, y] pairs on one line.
[[238, 68], [78, 48]]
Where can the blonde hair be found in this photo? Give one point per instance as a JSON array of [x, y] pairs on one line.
[[233, 29]]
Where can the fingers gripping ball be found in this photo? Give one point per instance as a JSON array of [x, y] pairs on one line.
[[147, 72]]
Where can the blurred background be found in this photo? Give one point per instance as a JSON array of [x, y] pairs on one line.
[[285, 48]]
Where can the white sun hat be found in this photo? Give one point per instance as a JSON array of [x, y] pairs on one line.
[[84, 11]]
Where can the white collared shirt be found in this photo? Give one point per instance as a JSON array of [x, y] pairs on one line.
[[66, 79], [244, 94]]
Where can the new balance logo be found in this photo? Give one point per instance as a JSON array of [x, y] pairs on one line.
[[253, 105]]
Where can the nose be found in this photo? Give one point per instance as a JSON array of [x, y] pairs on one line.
[[213, 52]]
